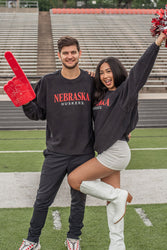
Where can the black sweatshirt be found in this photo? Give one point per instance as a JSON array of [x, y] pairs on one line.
[[116, 115], [67, 107]]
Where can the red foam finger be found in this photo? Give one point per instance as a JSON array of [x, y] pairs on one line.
[[18, 89], [17, 92], [15, 66]]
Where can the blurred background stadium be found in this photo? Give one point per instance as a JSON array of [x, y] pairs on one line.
[[30, 30]]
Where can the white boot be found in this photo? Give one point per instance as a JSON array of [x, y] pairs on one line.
[[116, 233], [101, 190]]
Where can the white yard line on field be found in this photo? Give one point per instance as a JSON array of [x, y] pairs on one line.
[[39, 151], [144, 217], [149, 149], [56, 220], [21, 151]]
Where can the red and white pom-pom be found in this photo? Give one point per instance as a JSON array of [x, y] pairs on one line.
[[159, 23]]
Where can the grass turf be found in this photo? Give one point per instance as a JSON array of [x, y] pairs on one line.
[[15, 223], [35, 140]]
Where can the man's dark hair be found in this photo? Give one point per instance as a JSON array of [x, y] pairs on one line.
[[67, 41]]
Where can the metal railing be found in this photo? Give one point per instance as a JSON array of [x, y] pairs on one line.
[[19, 4], [139, 4]]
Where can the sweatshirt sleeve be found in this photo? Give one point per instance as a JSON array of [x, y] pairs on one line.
[[36, 109], [137, 77]]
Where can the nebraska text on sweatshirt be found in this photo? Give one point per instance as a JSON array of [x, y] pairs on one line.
[[67, 107]]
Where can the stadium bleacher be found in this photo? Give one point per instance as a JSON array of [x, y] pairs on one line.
[[101, 34], [19, 34], [123, 36]]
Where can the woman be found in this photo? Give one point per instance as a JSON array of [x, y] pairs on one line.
[[115, 116]]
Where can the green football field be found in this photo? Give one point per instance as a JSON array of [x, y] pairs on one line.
[[14, 223]]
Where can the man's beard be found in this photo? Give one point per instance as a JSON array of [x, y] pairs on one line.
[[70, 67]]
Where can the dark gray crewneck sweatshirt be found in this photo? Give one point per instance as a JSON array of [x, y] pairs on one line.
[[67, 107], [116, 115]]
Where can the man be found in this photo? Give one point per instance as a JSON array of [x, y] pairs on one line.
[[64, 99]]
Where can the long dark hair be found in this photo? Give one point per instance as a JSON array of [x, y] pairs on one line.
[[119, 75]]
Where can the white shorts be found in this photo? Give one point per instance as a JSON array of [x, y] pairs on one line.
[[117, 157]]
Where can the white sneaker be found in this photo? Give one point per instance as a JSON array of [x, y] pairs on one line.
[[29, 245], [72, 244]]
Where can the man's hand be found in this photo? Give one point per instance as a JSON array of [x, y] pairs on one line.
[[18, 89]]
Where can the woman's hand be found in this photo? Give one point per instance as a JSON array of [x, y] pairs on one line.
[[160, 39], [91, 73]]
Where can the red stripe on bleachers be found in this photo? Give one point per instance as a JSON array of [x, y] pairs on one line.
[[103, 11]]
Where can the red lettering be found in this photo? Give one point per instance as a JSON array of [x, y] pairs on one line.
[[61, 98], [65, 97], [83, 96], [108, 102], [80, 96], [56, 98], [104, 102], [99, 103], [70, 97], [87, 97], [75, 97]]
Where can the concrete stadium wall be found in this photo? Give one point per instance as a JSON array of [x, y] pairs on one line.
[[20, 10]]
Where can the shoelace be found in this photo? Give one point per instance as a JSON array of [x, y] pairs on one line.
[[73, 243]]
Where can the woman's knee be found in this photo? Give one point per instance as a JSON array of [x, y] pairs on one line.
[[74, 181]]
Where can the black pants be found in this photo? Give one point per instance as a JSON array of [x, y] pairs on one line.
[[54, 169]]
